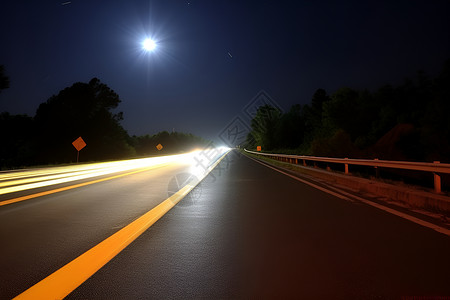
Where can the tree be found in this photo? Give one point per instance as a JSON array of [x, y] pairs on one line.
[[17, 133], [313, 114], [84, 109], [351, 110], [386, 97], [341, 111], [290, 129], [263, 126]]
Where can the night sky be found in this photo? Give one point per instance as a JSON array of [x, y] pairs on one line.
[[213, 57]]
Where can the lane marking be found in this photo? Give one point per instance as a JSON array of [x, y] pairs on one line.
[[62, 282], [27, 197], [305, 182], [66, 279], [405, 216], [371, 203]]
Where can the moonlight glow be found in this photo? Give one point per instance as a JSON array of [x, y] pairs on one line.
[[149, 44]]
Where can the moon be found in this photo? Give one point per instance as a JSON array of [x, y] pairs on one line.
[[149, 44]]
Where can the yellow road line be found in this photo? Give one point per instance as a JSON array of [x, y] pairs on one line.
[[18, 199], [63, 281]]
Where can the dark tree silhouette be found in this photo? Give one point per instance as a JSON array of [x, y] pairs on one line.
[[358, 123], [16, 140], [312, 115], [290, 130], [264, 127], [84, 109]]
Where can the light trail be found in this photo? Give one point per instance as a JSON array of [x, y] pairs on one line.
[[32, 179], [63, 281]]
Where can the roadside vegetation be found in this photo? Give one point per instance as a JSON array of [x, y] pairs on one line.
[[405, 122], [86, 110]]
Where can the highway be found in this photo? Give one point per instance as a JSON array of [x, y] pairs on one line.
[[246, 231]]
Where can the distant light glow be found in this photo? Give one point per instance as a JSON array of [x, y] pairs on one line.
[[204, 159], [149, 44]]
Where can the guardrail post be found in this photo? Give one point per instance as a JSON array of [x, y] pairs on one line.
[[328, 168], [437, 180], [346, 167], [304, 162], [377, 171]]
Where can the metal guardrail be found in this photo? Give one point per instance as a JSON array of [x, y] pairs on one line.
[[436, 167]]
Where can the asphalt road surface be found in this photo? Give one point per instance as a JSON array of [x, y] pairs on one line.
[[247, 231]]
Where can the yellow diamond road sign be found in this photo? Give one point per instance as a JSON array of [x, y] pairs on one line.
[[79, 144], [159, 147]]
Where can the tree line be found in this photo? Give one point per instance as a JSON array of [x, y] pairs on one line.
[[86, 110], [410, 121]]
